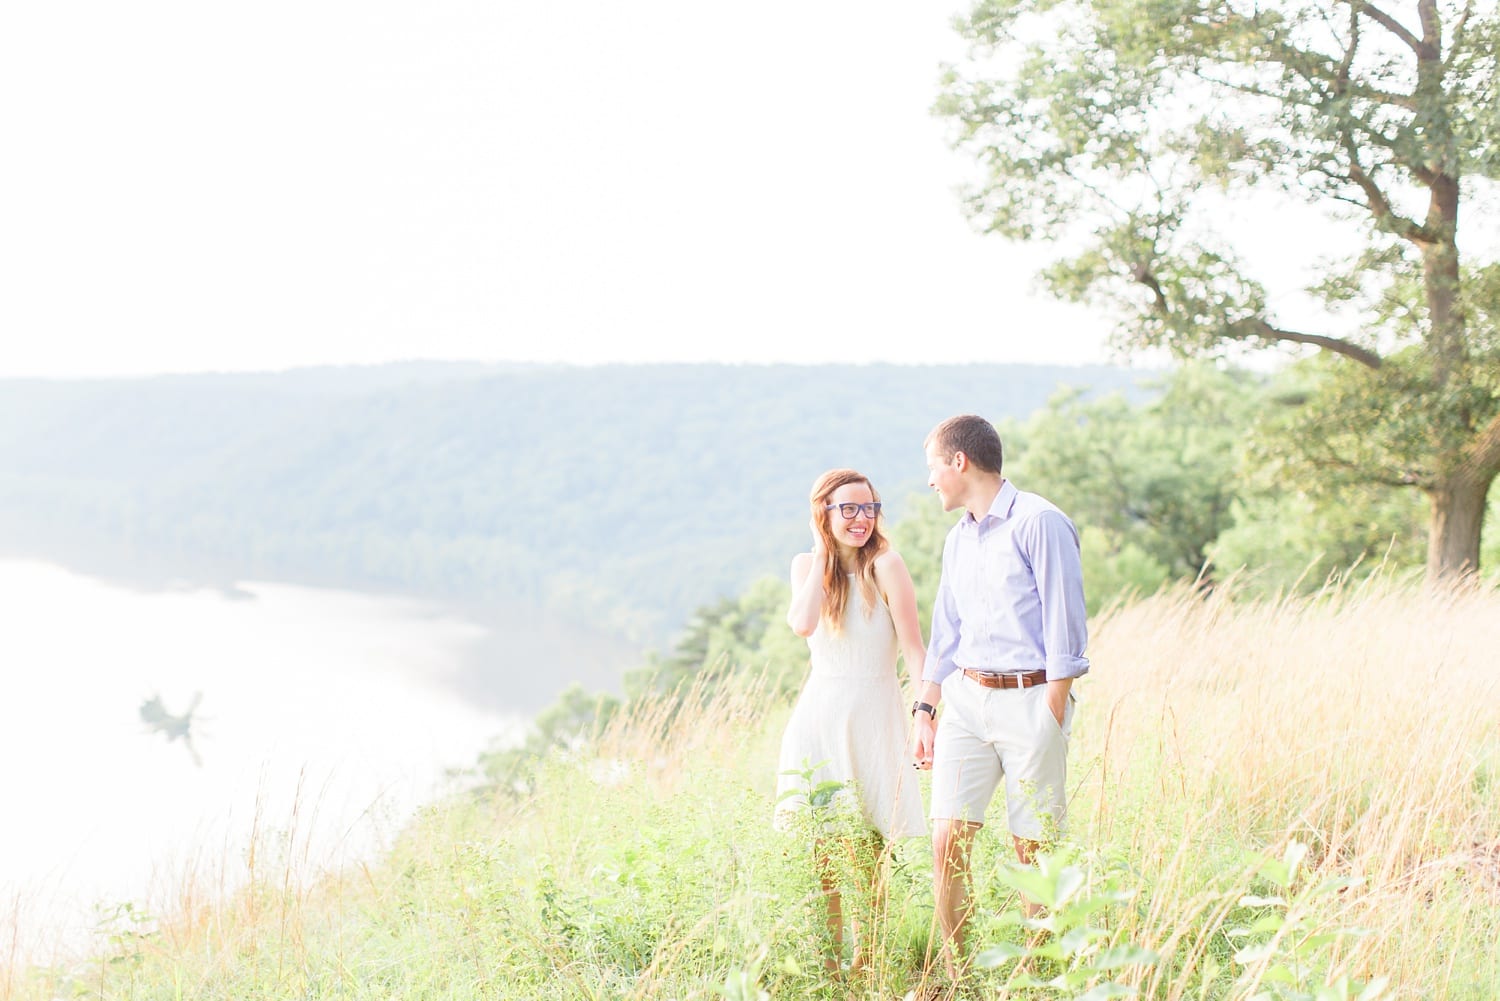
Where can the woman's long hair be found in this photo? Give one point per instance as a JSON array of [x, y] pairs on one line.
[[835, 583]]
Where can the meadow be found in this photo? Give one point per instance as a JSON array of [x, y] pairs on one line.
[[1277, 798]]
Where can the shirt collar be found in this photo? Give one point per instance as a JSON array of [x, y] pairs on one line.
[[1000, 507]]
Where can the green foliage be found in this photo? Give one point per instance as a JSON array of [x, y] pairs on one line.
[[1287, 950], [645, 865], [568, 722], [1155, 482], [1399, 425], [1070, 952], [1283, 537], [1194, 482], [1302, 512], [621, 497], [1119, 129], [1117, 571], [723, 644], [918, 537], [1285, 945], [818, 797], [733, 635], [1150, 485]]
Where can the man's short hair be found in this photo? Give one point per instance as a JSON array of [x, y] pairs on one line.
[[974, 436]]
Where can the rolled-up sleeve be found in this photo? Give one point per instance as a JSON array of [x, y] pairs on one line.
[[1058, 565], [942, 644]]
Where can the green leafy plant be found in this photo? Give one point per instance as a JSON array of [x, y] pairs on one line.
[[819, 796], [1285, 943], [1071, 951]]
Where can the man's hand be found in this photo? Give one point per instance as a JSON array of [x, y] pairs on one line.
[[1057, 697]]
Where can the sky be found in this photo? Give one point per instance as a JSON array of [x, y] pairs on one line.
[[197, 187]]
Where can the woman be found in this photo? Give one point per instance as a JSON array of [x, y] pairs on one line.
[[852, 598]]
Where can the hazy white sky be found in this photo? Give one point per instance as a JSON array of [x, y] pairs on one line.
[[193, 186]]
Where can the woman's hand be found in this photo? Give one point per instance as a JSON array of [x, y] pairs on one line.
[[819, 548], [923, 737]]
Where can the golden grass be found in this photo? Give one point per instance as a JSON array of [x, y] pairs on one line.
[[1364, 723]]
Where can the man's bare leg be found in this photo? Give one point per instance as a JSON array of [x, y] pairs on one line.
[[1026, 850], [952, 842]]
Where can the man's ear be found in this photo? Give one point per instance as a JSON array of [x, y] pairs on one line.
[[960, 461]]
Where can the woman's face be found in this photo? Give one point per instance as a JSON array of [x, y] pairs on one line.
[[856, 531]]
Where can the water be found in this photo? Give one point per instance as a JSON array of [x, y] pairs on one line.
[[323, 714]]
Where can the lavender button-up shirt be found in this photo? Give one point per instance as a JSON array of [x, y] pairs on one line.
[[1011, 593]]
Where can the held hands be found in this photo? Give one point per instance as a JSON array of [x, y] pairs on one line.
[[923, 736]]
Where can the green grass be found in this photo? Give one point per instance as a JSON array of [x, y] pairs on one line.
[[1213, 739]]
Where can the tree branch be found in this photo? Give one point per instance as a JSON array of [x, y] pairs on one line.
[[1323, 455], [1141, 273], [1459, 31], [1376, 200], [1341, 76], [1390, 24], [1432, 31], [1405, 102], [1260, 328]]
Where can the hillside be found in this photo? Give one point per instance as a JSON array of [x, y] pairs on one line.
[[619, 496], [1220, 846]]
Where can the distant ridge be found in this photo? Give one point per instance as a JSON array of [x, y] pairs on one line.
[[622, 495]]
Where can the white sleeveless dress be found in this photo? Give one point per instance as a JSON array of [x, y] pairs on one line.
[[850, 721]]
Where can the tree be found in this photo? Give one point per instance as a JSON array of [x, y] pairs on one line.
[[731, 637], [1158, 478], [1109, 126]]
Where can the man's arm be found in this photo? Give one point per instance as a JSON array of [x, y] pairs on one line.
[[941, 647], [1058, 566]]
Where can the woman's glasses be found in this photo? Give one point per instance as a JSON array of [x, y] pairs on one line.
[[848, 511]]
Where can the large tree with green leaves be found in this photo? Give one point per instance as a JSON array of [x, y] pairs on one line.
[[1116, 127]]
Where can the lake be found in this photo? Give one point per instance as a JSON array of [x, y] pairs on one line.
[[326, 714]]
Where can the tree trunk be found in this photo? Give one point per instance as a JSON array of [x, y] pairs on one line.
[[1457, 519]]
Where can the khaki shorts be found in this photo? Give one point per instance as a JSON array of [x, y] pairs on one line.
[[987, 734]]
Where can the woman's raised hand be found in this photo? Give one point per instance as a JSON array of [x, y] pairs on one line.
[[819, 547]]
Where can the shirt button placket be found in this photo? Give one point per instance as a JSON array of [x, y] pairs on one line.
[[984, 583]]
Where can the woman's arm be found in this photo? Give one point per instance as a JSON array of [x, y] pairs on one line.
[[807, 595], [895, 583]]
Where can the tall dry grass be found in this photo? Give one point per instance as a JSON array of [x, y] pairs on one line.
[[1364, 723]]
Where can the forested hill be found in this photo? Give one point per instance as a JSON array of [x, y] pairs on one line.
[[626, 495]]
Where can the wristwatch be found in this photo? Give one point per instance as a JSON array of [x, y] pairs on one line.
[[922, 707]]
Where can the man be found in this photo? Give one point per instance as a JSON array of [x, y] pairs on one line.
[[1008, 636]]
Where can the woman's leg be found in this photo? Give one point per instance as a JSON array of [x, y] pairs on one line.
[[868, 859], [829, 880]]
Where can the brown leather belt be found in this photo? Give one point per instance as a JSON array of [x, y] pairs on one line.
[[1028, 680]]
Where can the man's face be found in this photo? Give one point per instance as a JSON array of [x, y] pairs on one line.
[[944, 477]]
